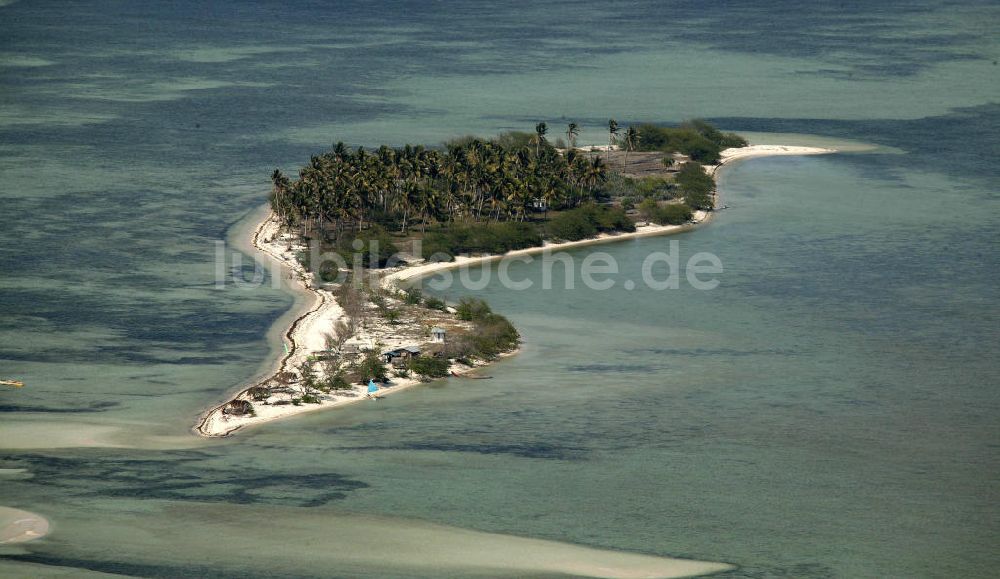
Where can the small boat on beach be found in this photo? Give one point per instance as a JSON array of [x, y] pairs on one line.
[[14, 383]]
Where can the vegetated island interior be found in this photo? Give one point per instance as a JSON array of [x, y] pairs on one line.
[[471, 196]]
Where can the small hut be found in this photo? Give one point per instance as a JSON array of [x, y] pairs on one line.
[[400, 357], [437, 335]]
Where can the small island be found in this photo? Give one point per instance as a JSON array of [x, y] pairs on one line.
[[395, 215]]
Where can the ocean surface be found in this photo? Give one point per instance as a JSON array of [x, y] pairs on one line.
[[829, 410]]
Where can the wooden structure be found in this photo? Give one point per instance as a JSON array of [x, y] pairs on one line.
[[400, 357]]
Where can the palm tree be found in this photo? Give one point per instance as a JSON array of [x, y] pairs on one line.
[[426, 203], [572, 132], [539, 138], [596, 174], [340, 151], [279, 197], [631, 143], [410, 199], [612, 134]]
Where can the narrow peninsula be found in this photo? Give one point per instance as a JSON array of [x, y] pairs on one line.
[[357, 228]]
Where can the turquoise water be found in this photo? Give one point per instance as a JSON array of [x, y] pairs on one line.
[[830, 410]]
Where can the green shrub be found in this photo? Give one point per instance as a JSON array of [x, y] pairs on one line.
[[696, 185], [648, 209], [310, 399], [673, 214], [696, 138], [472, 309], [611, 219], [571, 226], [371, 367], [460, 347], [493, 335], [377, 246], [259, 393], [434, 303], [412, 296], [722, 140], [652, 187], [437, 246], [670, 214], [639, 188], [429, 367], [587, 221], [337, 382], [494, 238]]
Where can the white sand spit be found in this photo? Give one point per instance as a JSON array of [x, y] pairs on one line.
[[17, 526]]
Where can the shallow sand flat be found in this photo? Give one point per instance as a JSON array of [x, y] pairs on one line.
[[17, 526], [325, 541], [25, 434], [19, 569]]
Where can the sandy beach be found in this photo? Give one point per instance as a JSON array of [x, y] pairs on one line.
[[306, 336], [754, 151], [308, 332]]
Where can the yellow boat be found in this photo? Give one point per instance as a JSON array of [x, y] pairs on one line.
[[14, 383]]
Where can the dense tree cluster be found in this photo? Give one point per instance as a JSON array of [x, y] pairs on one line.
[[479, 195], [696, 138], [472, 179], [492, 334]]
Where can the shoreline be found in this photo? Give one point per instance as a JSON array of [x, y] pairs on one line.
[[729, 156], [305, 335], [307, 331]]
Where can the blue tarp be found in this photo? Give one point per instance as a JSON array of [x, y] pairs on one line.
[[372, 387]]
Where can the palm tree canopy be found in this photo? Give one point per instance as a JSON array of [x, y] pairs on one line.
[[345, 190], [631, 138]]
